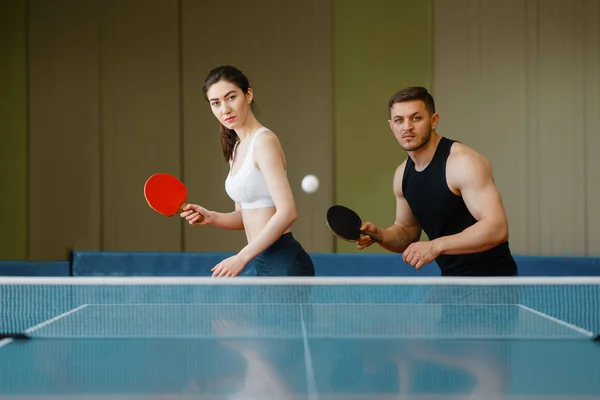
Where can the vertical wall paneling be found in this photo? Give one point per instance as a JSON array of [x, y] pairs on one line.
[[140, 120], [525, 94], [13, 129], [591, 144], [63, 158], [371, 62], [286, 53]]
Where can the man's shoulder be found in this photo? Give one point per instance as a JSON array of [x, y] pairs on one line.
[[399, 173], [465, 164], [398, 176], [400, 168], [461, 153], [458, 147]]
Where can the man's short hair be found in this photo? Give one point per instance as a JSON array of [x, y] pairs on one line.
[[413, 93]]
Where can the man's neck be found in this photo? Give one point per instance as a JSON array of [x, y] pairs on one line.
[[423, 156]]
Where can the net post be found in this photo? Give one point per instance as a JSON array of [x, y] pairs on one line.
[[14, 336], [70, 258]]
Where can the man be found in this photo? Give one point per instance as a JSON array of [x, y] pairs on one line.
[[446, 189]]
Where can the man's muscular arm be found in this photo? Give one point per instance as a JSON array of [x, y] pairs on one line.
[[405, 229], [471, 174]]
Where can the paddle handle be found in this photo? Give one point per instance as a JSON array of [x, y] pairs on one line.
[[373, 237], [183, 206]]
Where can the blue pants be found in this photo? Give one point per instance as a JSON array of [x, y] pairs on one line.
[[285, 257]]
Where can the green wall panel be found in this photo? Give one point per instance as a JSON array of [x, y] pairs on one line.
[[379, 47]]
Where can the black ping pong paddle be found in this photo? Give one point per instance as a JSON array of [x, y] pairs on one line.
[[345, 224]]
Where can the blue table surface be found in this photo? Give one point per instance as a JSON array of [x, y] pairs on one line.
[[313, 352]]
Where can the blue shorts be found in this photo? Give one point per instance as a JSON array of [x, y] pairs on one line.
[[285, 257]]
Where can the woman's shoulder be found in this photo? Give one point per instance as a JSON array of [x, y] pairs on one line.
[[267, 139], [268, 146]]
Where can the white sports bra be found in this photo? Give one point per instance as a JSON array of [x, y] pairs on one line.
[[248, 187]]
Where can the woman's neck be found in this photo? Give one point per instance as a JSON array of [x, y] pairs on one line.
[[248, 128]]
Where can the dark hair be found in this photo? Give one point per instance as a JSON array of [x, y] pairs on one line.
[[413, 93], [235, 76]]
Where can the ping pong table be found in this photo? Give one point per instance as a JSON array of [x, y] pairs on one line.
[[300, 338]]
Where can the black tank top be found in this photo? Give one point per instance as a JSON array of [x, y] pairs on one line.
[[440, 212]]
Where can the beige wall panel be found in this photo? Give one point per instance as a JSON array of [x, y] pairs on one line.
[[532, 171], [502, 84], [64, 194], [285, 50], [140, 123], [561, 127], [521, 91], [591, 73], [479, 88]]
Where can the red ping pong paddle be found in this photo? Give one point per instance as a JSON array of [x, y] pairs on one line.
[[165, 194]]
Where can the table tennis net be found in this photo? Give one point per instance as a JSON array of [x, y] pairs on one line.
[[421, 308]]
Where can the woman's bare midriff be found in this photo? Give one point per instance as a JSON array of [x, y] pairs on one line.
[[256, 219]]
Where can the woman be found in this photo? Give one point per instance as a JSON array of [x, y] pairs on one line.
[[257, 183]]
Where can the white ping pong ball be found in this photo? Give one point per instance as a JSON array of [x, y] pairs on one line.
[[310, 184]]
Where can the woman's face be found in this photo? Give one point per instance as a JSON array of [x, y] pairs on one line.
[[229, 104]]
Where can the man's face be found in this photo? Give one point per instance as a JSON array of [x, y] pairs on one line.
[[411, 124]]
